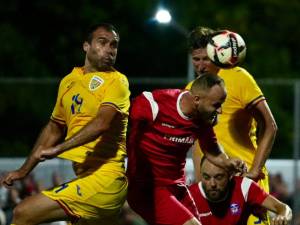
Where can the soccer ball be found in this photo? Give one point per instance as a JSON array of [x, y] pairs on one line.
[[226, 49]]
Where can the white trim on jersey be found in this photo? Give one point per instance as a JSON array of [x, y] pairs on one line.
[[245, 186], [178, 106], [154, 106], [201, 189]]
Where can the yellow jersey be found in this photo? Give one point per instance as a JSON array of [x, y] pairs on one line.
[[236, 128], [79, 98]]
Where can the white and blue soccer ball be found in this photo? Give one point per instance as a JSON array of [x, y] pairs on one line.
[[226, 49]]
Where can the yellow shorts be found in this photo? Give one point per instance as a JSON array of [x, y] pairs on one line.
[[93, 198], [253, 220]]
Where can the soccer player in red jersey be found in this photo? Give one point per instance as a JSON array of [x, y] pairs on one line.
[[164, 125], [224, 199]]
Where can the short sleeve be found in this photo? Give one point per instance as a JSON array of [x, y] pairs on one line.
[[118, 94], [58, 114], [256, 195], [140, 109], [207, 139], [250, 93]]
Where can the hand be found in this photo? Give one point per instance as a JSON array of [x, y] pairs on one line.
[[283, 218], [236, 165], [8, 179]]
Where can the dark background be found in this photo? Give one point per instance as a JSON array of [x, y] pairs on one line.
[[43, 40]]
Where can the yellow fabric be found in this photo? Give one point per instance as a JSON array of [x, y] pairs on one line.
[[236, 129], [79, 98], [99, 191], [94, 196]]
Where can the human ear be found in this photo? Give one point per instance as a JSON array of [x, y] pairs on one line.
[[196, 98], [86, 46]]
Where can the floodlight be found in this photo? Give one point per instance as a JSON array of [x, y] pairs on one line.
[[163, 16]]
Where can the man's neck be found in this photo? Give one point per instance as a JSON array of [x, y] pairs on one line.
[[91, 69]]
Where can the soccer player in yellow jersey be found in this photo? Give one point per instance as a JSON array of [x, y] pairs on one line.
[[90, 114], [244, 110]]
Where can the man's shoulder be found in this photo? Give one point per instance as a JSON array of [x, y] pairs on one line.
[[166, 93], [237, 76], [73, 75], [160, 96], [237, 72], [242, 183], [121, 79], [119, 75]]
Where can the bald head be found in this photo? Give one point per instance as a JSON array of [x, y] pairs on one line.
[[205, 82]]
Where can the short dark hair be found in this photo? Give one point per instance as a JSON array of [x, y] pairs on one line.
[[205, 82], [91, 29], [199, 37], [202, 160]]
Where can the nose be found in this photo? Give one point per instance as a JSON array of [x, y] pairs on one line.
[[212, 183], [109, 49], [201, 65]]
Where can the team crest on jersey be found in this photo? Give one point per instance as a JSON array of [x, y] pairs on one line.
[[235, 209], [95, 83]]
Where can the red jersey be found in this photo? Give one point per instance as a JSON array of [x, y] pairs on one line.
[[160, 137], [245, 196]]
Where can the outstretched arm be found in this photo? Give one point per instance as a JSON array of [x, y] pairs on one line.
[[52, 133], [267, 129], [283, 211], [214, 153]]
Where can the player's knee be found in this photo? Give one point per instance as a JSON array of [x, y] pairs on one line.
[[21, 215], [192, 221]]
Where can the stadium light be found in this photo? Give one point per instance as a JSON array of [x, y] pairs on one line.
[[163, 16]]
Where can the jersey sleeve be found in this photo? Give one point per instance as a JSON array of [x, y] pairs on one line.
[[141, 109], [118, 95], [58, 114], [249, 91], [254, 194], [207, 139]]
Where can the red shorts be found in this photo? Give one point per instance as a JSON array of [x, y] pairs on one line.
[[161, 205]]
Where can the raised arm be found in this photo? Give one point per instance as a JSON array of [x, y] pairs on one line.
[[214, 153], [267, 129]]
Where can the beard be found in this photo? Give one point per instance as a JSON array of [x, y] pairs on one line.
[[215, 195]]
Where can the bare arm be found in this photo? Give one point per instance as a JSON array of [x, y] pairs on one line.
[[219, 158], [88, 133], [283, 211], [196, 161], [51, 134], [267, 131]]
